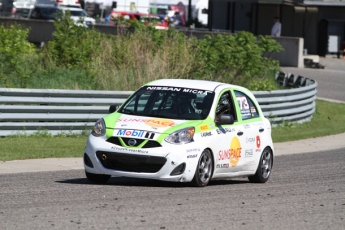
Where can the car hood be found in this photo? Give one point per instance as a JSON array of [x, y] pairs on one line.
[[129, 123]]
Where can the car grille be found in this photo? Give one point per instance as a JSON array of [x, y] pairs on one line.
[[148, 144], [130, 162]]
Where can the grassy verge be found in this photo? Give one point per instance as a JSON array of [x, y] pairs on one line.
[[34, 147], [328, 119]]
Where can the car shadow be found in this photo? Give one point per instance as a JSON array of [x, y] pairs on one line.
[[136, 182]]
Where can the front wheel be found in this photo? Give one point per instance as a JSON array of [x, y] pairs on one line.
[[97, 178], [203, 170], [264, 169]]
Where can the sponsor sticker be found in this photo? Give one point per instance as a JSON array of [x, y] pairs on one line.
[[225, 130], [153, 122], [250, 140], [204, 127], [246, 126], [206, 134], [193, 150], [156, 122], [258, 142], [220, 166], [248, 153], [135, 133], [177, 89], [246, 113], [192, 156], [224, 154], [235, 151], [129, 150]]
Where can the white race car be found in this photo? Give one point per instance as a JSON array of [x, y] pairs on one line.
[[184, 131]]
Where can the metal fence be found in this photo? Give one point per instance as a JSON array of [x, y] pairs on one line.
[[28, 111]]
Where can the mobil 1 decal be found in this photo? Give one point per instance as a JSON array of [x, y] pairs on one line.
[[135, 133]]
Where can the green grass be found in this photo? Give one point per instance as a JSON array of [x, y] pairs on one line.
[[328, 119], [34, 147]]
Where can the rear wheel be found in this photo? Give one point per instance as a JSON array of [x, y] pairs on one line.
[[264, 169], [203, 170], [97, 178]]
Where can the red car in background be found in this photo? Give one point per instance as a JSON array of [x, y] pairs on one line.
[[114, 15], [147, 19], [126, 15], [154, 20]]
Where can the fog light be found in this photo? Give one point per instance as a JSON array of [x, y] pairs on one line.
[[178, 170], [87, 161]]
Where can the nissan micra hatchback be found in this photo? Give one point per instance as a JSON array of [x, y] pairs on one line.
[[184, 131]]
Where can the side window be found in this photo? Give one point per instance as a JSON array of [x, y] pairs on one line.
[[34, 13], [226, 105], [247, 107]]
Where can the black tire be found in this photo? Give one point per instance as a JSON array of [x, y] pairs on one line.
[[97, 178], [204, 169], [264, 169]]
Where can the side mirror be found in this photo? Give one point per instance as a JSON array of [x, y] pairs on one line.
[[113, 108], [225, 119]]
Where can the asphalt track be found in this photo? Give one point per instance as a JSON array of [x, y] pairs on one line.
[[305, 191]]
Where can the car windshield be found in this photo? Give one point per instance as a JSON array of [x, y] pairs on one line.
[[78, 13], [169, 102]]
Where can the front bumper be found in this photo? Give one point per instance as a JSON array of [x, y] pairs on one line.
[[169, 162]]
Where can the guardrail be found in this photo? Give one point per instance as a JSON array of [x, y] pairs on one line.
[[28, 111], [296, 104]]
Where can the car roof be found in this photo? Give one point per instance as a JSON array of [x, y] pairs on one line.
[[70, 8], [188, 83], [64, 8], [124, 12]]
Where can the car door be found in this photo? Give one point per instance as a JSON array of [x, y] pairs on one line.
[[250, 129], [229, 140]]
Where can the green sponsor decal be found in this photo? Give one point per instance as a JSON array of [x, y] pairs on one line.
[[110, 121]]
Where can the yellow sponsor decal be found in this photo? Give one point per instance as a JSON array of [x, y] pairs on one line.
[[235, 151], [159, 122], [204, 127]]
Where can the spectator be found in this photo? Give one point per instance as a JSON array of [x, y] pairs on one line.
[[276, 28], [166, 21]]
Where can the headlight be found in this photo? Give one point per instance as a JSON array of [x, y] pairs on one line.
[[182, 136], [99, 128]]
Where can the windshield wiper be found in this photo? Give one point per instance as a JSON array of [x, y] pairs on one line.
[[158, 115]]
